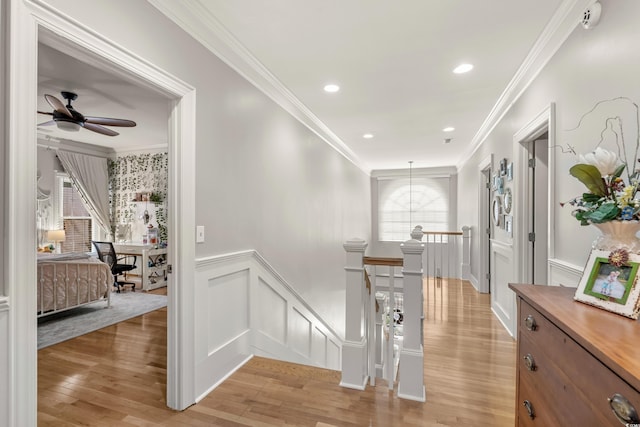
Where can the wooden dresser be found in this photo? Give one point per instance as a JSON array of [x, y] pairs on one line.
[[575, 362]]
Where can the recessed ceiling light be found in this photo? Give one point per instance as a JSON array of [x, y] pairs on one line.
[[331, 88], [463, 68], [367, 136], [448, 129]]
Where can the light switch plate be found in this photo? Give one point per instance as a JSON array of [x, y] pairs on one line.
[[200, 234]]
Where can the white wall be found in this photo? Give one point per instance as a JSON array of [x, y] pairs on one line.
[[591, 66], [264, 181]]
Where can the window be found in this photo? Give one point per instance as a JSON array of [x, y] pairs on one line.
[[76, 220], [403, 204]]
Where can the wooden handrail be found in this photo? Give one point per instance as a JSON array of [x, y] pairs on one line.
[[444, 233], [393, 262]]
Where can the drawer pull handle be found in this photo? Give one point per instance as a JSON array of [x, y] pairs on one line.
[[530, 323], [529, 407], [529, 362], [623, 409]]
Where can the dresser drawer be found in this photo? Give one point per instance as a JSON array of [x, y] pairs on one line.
[[579, 384], [554, 391], [540, 415]]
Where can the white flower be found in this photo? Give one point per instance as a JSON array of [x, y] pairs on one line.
[[606, 161]]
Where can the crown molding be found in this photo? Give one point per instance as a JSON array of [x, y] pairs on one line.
[[559, 28], [197, 21]]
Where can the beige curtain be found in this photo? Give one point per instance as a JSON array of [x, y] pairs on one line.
[[90, 176]]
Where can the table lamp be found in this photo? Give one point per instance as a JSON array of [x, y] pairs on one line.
[[56, 236]]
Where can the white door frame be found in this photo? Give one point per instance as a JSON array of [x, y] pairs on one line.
[[27, 19], [483, 220], [543, 122]]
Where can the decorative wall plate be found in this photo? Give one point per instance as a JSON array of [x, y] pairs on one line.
[[507, 200], [496, 210]]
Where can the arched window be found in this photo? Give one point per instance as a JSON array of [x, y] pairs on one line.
[[402, 205]]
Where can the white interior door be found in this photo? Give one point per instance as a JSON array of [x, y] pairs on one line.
[[538, 210]]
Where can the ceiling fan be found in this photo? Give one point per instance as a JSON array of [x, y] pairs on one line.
[[67, 118]]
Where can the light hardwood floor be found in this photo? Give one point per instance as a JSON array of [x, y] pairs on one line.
[[116, 377]]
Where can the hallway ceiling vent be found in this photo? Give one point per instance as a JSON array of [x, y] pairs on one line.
[[591, 16]]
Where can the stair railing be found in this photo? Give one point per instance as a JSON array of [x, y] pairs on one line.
[[370, 321]]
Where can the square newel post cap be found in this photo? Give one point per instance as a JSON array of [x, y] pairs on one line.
[[355, 245], [412, 246]]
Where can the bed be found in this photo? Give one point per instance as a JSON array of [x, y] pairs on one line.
[[66, 281]]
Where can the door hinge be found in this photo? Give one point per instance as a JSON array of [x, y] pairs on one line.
[[532, 237], [169, 268], [488, 230], [486, 184], [532, 163], [488, 276]]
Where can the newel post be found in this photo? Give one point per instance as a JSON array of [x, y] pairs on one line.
[[411, 384], [466, 252], [354, 349]]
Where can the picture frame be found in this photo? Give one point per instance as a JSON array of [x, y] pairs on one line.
[[500, 185], [610, 287], [494, 181], [510, 171], [503, 167], [508, 225]]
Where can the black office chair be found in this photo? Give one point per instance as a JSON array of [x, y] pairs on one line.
[[107, 254]]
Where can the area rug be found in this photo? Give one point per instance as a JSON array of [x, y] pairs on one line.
[[68, 324]]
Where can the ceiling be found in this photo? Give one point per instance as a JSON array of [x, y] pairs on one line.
[[100, 94], [392, 60]]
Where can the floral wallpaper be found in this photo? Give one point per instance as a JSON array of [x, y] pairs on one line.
[[131, 175]]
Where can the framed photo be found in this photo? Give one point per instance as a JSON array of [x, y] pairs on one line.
[[613, 288], [508, 225], [510, 171], [500, 185], [494, 181], [503, 167]]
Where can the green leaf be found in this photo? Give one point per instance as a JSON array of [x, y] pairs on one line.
[[590, 176], [619, 170], [590, 198], [605, 212]]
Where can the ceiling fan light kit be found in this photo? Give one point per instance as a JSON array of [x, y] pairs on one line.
[[68, 119]]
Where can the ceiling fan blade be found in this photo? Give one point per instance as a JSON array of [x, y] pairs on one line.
[[49, 123], [109, 121], [45, 112], [99, 129], [57, 105]]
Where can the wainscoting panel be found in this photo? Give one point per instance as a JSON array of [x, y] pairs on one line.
[[562, 273], [271, 313], [319, 347], [228, 308], [300, 332], [245, 308], [502, 298]]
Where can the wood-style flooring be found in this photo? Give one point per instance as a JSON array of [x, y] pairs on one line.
[[117, 377]]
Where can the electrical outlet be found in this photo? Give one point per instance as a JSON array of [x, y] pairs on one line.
[[200, 234]]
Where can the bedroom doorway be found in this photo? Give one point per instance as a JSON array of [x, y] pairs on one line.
[[58, 31], [136, 163]]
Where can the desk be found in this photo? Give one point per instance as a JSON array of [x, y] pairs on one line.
[[151, 263]]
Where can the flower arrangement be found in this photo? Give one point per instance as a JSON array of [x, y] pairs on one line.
[[609, 197]]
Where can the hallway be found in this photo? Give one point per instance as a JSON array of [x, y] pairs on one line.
[[116, 376]]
